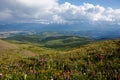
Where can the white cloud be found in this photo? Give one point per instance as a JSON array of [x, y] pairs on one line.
[[29, 9], [58, 19], [53, 12], [5, 14], [88, 12], [39, 3]]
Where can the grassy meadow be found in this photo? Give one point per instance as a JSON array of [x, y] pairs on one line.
[[72, 58]]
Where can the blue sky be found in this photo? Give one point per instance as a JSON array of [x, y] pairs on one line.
[[105, 3]]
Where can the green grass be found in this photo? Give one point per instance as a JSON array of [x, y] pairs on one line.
[[95, 61], [59, 42]]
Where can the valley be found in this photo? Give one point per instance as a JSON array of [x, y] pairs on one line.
[[50, 55]]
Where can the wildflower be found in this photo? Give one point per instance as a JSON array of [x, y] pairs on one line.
[[34, 71], [119, 70], [51, 78], [0, 74], [67, 77], [113, 74], [25, 76], [84, 73], [70, 71], [118, 78]]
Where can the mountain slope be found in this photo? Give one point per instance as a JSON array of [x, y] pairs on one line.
[[52, 40], [10, 52], [99, 60], [6, 45], [96, 61]]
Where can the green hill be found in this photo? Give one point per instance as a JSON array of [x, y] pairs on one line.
[[6, 45], [95, 61], [55, 41]]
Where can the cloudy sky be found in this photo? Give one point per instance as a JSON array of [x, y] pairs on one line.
[[60, 11]]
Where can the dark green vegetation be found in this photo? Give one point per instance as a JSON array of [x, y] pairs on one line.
[[24, 60], [51, 40]]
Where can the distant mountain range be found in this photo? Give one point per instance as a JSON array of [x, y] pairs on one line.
[[97, 31]]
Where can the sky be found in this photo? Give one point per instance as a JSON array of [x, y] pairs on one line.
[[60, 11], [105, 3]]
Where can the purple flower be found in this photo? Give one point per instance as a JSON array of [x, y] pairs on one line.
[[67, 78]]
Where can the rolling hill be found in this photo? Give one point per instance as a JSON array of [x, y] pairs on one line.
[[95, 61], [51, 40]]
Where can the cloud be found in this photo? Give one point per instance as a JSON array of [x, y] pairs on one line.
[[88, 12], [5, 14], [50, 11], [27, 9]]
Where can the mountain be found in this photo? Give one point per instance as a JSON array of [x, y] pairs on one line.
[[99, 60], [91, 30], [51, 40], [6, 45]]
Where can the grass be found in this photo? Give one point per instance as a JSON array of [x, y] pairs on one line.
[[95, 61], [58, 42]]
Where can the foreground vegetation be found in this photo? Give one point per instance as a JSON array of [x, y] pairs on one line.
[[96, 61]]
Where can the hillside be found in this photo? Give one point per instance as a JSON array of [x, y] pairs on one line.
[[6, 45], [51, 40], [95, 61], [10, 52]]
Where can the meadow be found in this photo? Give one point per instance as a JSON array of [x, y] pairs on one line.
[[28, 60]]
